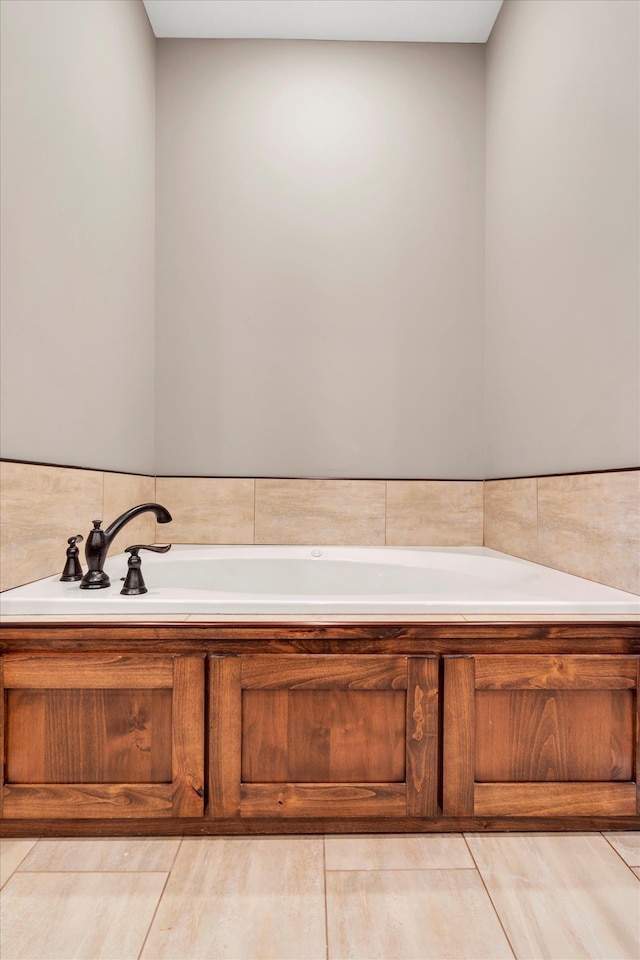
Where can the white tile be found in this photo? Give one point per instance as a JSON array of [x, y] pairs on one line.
[[401, 852], [243, 898], [89, 916], [12, 853], [561, 896], [110, 854], [411, 915], [627, 845]]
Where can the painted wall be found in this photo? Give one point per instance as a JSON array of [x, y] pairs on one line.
[[563, 259], [77, 140], [320, 259]]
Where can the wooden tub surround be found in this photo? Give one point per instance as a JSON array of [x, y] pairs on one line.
[[240, 728]]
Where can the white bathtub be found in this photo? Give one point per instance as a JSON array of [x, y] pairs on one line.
[[327, 580]]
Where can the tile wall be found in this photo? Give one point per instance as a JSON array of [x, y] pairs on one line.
[[41, 507], [585, 524]]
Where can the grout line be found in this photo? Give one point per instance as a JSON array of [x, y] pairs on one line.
[[255, 483], [324, 887], [617, 852], [155, 914], [491, 901]]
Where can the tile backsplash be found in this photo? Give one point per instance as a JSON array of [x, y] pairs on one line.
[[585, 524]]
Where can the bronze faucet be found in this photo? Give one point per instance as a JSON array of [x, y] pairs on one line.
[[98, 543]]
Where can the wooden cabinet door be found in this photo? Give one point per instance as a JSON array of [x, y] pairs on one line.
[[540, 736], [323, 736], [115, 735]]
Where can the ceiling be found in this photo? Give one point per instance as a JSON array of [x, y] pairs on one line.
[[434, 21]]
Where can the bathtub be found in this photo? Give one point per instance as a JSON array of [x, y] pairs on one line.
[[284, 580]]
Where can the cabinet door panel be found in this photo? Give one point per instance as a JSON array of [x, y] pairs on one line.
[[323, 736], [121, 736], [540, 736]]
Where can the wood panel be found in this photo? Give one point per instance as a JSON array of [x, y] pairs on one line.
[[557, 673], [422, 737], [265, 736], [324, 673], [458, 736], [86, 801], [323, 799], [92, 745], [187, 728], [333, 736], [225, 736], [560, 735], [94, 670], [555, 799], [88, 736]]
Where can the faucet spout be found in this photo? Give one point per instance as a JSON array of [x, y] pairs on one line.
[[98, 542], [112, 531]]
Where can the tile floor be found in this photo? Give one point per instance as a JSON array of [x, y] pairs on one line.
[[344, 897]]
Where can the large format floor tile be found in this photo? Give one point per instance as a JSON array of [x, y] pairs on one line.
[[64, 916], [412, 915], [561, 896], [627, 845], [243, 898], [12, 853], [112, 854], [402, 852]]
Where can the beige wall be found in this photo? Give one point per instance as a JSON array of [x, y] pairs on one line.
[[77, 160], [320, 234], [563, 260], [41, 507], [585, 525]]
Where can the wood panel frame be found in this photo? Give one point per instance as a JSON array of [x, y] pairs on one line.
[[182, 797], [464, 797], [229, 797]]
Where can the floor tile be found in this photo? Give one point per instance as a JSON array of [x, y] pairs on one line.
[[89, 916], [412, 915], [627, 845], [561, 896], [401, 852], [112, 854], [12, 853], [636, 870], [242, 898]]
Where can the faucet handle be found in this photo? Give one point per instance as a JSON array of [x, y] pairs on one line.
[[134, 583], [147, 546], [72, 568]]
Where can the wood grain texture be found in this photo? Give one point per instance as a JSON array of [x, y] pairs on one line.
[[265, 736], [253, 826], [332, 736], [422, 737], [354, 639], [559, 673], [92, 670], [88, 736], [73, 801], [188, 737], [557, 735], [637, 729], [554, 799], [323, 799], [225, 737], [458, 737], [324, 673]]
